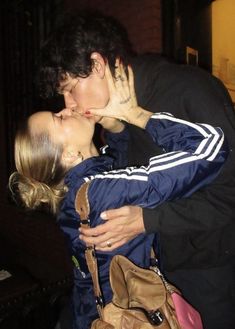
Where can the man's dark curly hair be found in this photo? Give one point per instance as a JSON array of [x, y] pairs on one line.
[[70, 46]]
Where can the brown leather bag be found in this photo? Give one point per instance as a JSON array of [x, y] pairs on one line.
[[141, 297]]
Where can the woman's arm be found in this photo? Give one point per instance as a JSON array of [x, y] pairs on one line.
[[165, 139], [175, 174], [167, 177]]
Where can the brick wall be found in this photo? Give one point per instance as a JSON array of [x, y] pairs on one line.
[[141, 18]]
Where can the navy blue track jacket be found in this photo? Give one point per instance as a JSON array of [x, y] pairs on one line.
[[193, 156]]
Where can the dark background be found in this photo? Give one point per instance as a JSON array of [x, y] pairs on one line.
[[31, 245]]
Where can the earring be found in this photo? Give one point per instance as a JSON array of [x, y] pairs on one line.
[[80, 156]]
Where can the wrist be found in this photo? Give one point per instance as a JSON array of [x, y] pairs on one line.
[[139, 117]]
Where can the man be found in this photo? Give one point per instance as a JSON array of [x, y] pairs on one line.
[[196, 234]]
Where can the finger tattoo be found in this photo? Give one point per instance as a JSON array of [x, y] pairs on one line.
[[125, 100]]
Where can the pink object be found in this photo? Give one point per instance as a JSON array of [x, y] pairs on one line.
[[188, 317]]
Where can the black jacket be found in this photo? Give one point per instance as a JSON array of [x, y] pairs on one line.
[[196, 232]]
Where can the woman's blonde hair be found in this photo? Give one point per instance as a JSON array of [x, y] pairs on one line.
[[40, 173]]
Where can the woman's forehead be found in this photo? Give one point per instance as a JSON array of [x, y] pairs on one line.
[[40, 120]]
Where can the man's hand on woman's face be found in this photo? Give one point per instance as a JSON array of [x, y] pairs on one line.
[[121, 226]]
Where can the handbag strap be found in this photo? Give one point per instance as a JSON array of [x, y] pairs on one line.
[[154, 266], [82, 207]]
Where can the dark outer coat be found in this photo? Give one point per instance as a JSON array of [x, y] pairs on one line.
[[196, 232]]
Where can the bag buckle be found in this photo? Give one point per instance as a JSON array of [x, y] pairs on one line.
[[155, 317], [99, 301], [85, 221]]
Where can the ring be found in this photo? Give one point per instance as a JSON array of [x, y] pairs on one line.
[[109, 244], [119, 77]]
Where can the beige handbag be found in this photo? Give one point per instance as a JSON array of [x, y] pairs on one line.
[[142, 299]]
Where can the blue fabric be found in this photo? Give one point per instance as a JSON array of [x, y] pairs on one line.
[[197, 153]]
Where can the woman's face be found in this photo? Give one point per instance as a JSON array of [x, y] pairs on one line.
[[68, 128]]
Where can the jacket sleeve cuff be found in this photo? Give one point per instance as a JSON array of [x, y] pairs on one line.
[[151, 221]]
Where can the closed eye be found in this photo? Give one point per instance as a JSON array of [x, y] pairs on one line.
[[59, 116]]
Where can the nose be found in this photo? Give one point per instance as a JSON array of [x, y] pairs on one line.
[[69, 100], [65, 112]]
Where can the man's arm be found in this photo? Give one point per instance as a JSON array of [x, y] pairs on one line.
[[203, 211], [206, 210]]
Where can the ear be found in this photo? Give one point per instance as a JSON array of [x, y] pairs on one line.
[[98, 64]]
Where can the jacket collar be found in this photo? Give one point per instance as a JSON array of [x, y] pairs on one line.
[[88, 167]]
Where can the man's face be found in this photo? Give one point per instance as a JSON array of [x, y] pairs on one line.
[[85, 93]]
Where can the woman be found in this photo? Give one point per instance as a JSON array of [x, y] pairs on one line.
[[55, 154]]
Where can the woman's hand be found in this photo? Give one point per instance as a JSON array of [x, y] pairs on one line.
[[122, 94], [122, 104], [112, 123]]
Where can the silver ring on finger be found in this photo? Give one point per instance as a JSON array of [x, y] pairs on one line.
[[119, 78]]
